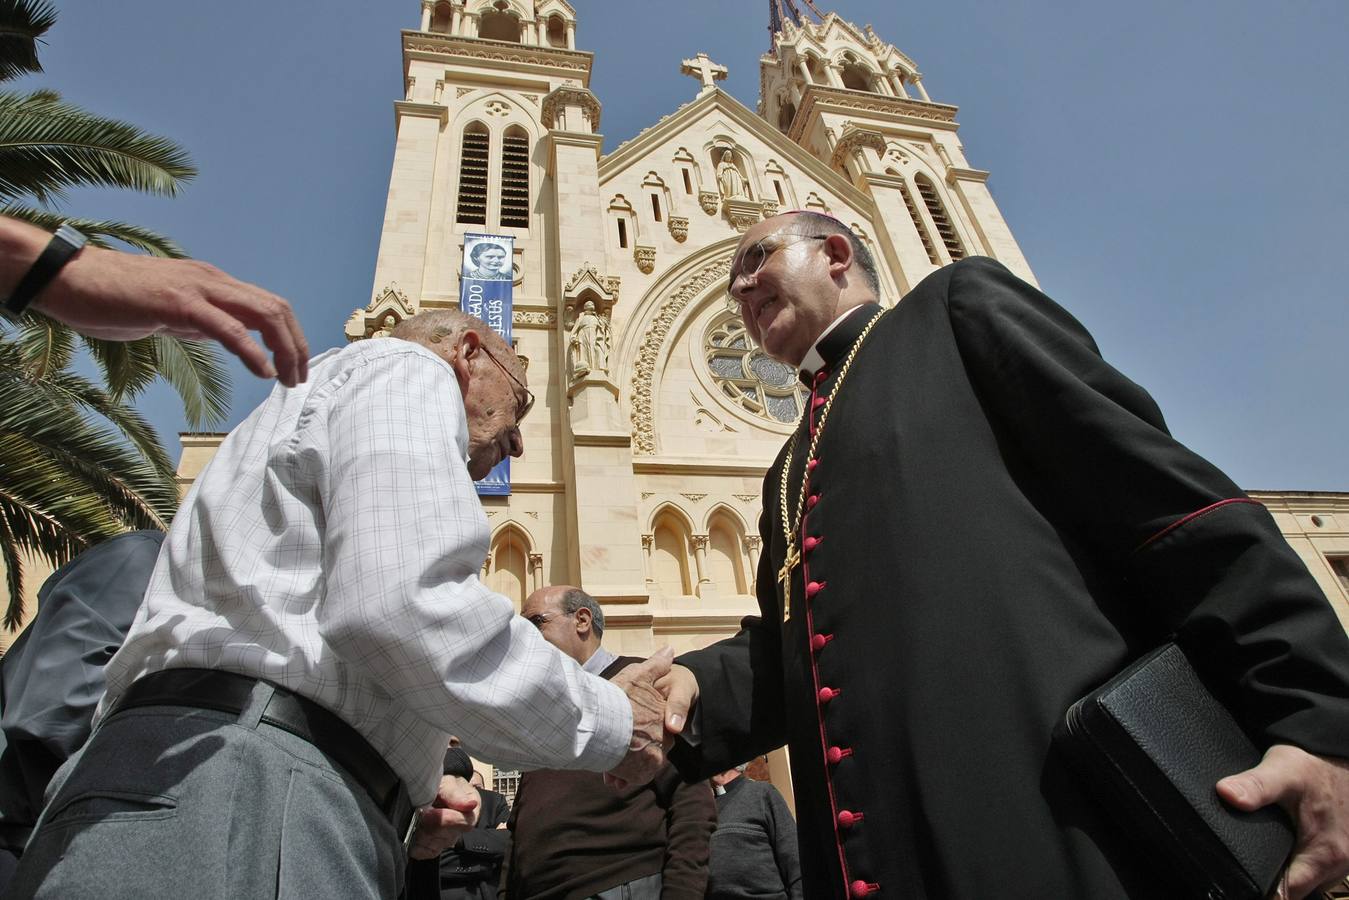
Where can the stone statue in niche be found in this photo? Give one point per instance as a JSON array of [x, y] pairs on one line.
[[729, 180], [386, 326], [590, 343]]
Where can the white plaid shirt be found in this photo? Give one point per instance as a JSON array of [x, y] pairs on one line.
[[333, 546]]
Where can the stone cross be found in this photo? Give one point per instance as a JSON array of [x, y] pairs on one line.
[[701, 66]]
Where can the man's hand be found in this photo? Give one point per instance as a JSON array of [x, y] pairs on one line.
[[680, 688], [453, 812], [123, 296], [1314, 790], [645, 751]]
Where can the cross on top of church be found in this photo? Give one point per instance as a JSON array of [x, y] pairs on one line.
[[701, 66]]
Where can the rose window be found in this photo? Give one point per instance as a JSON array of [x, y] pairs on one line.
[[751, 378]]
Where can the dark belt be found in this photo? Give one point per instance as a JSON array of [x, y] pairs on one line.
[[230, 693]]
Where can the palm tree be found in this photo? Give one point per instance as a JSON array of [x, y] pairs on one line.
[[77, 464]]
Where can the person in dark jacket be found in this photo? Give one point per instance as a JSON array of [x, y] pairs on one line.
[[52, 677], [471, 869], [575, 837], [754, 855]]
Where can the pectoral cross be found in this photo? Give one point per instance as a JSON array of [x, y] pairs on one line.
[[785, 576]]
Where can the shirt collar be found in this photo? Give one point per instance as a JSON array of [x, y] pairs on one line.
[[815, 358], [600, 660]]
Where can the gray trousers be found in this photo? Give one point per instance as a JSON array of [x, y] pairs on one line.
[[169, 802], [646, 888]]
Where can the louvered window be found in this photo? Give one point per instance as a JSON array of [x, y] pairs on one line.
[[472, 209], [515, 180], [939, 218], [919, 226]]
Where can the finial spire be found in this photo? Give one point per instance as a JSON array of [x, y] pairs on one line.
[[781, 10]]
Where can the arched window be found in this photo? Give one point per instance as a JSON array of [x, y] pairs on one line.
[[670, 557], [725, 559], [816, 70], [441, 17], [857, 77], [471, 208], [508, 566], [495, 25], [917, 219], [515, 178], [557, 32], [945, 228], [785, 115], [749, 376]]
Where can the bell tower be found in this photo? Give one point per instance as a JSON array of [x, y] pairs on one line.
[[859, 105]]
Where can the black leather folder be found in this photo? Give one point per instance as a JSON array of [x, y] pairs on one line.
[[1151, 744]]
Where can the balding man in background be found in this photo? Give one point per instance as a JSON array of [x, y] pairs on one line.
[[313, 630], [574, 837]]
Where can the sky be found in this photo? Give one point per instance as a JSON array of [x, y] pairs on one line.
[[1174, 171]]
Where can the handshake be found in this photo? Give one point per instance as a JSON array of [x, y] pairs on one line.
[[661, 695]]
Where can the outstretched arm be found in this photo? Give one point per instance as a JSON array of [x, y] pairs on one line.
[[119, 296]]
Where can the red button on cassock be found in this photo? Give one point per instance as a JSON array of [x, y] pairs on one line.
[[821, 375], [862, 888], [810, 466], [835, 755], [817, 403], [814, 588], [827, 693], [811, 543], [848, 819], [812, 500], [818, 641]]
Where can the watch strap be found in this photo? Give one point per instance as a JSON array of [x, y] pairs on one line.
[[65, 243]]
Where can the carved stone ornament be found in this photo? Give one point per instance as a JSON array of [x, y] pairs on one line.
[[747, 498], [742, 213], [482, 48], [853, 141], [542, 318], [389, 307], [560, 98], [461, 91], [709, 201], [700, 541], [588, 279], [679, 228], [753, 540], [770, 208], [696, 498], [535, 559], [440, 91], [648, 540], [646, 258], [643, 415]]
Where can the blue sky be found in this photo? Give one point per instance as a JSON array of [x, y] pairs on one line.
[[1174, 171]]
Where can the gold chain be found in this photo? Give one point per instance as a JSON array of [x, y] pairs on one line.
[[791, 530]]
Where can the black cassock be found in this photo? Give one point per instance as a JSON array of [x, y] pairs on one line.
[[1001, 521]]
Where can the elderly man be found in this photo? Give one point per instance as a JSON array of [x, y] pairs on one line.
[[574, 837], [313, 630], [977, 521]]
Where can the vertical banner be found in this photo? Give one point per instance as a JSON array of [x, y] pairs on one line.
[[485, 291]]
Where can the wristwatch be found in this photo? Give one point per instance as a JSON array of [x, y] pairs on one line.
[[59, 251]]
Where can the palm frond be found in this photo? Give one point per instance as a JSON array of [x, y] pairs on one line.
[[44, 345], [22, 22], [128, 366], [48, 145], [99, 230], [196, 370]]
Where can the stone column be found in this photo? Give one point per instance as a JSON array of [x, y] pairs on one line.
[[536, 569], [648, 541], [897, 79], [426, 15], [922, 91], [700, 560], [571, 35], [831, 72], [805, 71], [752, 543]]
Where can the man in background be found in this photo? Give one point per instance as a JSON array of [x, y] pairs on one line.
[[754, 854], [573, 837]]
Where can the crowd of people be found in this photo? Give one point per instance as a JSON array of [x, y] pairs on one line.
[[977, 520]]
